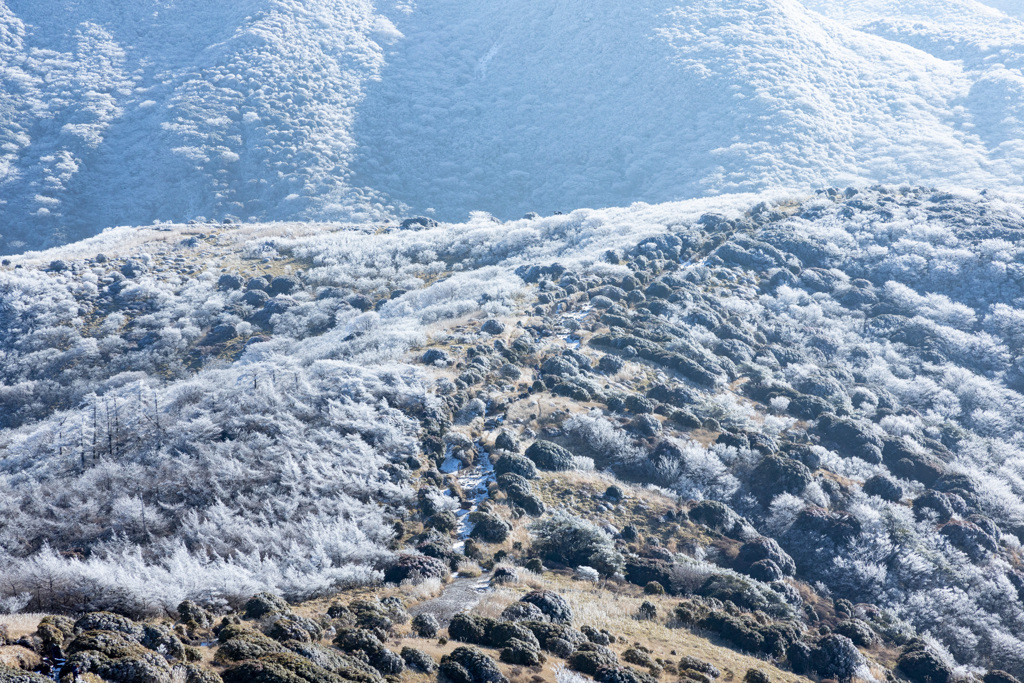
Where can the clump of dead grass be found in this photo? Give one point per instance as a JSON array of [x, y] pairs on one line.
[[15, 626]]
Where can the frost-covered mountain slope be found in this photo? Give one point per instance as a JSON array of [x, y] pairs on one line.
[[124, 114], [206, 411], [350, 109], [550, 106]]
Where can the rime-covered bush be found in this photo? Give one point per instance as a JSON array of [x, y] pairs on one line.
[[574, 541], [550, 456], [554, 606], [835, 656], [425, 625]]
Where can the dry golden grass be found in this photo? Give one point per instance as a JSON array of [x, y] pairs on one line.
[[580, 492], [611, 607], [18, 625], [492, 604], [469, 569], [17, 657], [614, 608]]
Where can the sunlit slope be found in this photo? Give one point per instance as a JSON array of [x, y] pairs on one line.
[[544, 106], [114, 114], [119, 113]]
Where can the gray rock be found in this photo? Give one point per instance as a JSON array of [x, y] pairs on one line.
[[419, 222]]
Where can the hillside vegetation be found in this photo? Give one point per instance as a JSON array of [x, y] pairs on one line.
[[793, 421]]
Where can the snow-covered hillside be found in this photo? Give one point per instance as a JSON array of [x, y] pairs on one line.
[[114, 113]]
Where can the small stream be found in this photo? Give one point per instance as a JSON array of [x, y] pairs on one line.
[[463, 593], [473, 480]]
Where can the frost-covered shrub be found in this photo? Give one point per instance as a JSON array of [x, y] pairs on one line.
[[835, 656], [425, 625], [550, 456], [574, 541], [598, 439]]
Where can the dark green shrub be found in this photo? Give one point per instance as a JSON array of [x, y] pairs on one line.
[[418, 661], [550, 456], [922, 666], [470, 665], [590, 657], [468, 628]]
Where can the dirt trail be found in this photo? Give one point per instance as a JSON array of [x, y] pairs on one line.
[[460, 595]]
